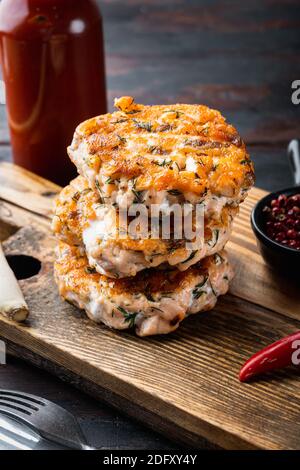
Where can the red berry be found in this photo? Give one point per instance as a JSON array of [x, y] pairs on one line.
[[282, 199], [278, 226], [290, 223], [274, 203], [280, 237], [295, 199], [291, 233], [283, 220]]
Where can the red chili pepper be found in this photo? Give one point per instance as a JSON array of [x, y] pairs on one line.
[[280, 354]]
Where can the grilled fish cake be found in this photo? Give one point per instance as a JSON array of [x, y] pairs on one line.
[[80, 219], [154, 302], [163, 154]]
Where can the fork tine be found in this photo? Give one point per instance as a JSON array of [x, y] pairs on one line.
[[24, 396], [50, 420], [22, 402], [17, 413], [15, 407]]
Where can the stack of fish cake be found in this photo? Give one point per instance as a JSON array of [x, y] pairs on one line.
[[183, 155]]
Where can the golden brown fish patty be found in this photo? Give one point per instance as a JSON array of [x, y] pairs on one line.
[[154, 302], [156, 153], [81, 219]]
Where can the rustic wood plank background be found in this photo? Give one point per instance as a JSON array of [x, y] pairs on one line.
[[240, 57]]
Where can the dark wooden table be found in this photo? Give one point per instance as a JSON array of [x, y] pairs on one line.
[[239, 57]]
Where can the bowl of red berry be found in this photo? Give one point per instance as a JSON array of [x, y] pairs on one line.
[[275, 221]]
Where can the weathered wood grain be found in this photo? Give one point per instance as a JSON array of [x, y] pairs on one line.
[[239, 57], [140, 376], [26, 190]]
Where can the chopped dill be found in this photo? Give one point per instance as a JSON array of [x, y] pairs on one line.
[[178, 113], [197, 291], [129, 317], [110, 180], [166, 295], [174, 192], [76, 196], [163, 163], [192, 255], [122, 139], [218, 259], [147, 126], [121, 120], [213, 290], [138, 196], [102, 198], [90, 270], [216, 232]]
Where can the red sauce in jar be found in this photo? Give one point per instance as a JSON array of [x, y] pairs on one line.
[[53, 68]]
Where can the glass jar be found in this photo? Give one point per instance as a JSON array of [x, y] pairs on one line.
[[53, 68]]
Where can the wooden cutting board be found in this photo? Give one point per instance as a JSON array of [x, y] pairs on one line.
[[184, 385]]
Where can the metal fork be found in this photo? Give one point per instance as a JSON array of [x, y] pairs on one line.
[[294, 157], [50, 420]]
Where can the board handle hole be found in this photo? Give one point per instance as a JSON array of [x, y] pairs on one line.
[[24, 266]]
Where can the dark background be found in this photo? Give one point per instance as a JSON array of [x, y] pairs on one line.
[[237, 56]]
